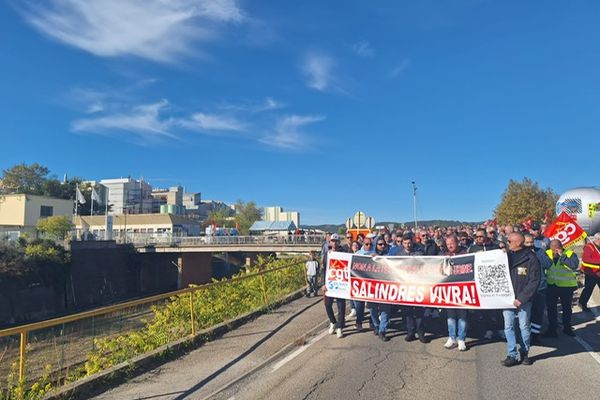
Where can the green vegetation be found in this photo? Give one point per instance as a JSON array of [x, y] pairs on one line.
[[42, 258], [171, 321], [524, 200], [56, 227]]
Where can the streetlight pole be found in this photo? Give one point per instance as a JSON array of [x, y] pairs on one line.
[[415, 203]]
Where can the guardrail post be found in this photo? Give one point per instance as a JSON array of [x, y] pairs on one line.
[[264, 289], [192, 313], [22, 354]]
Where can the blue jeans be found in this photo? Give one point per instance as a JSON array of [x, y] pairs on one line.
[[359, 306], [523, 313], [454, 314], [380, 316]]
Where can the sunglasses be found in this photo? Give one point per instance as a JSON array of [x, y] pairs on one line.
[[380, 244], [368, 243], [479, 236]]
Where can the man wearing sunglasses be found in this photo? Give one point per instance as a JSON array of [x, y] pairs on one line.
[[428, 246], [525, 272], [412, 314]]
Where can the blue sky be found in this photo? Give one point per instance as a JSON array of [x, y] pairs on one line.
[[321, 107]]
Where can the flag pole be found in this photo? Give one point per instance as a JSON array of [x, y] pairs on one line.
[[92, 203]]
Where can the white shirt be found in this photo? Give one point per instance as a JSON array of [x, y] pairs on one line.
[[311, 267]]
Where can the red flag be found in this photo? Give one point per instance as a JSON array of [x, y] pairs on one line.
[[565, 229]]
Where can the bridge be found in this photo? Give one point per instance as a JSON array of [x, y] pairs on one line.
[[223, 244]]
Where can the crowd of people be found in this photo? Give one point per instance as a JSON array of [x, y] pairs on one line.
[[542, 273]]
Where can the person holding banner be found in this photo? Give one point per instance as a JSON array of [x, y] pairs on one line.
[[335, 325], [590, 264], [412, 314], [525, 270], [455, 316], [380, 312], [561, 274]]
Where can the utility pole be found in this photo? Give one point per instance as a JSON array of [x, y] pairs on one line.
[[415, 203]]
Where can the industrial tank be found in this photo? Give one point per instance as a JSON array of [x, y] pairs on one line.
[[583, 204]]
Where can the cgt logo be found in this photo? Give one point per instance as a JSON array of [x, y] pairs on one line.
[[338, 270]]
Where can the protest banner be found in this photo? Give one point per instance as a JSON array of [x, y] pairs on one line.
[[479, 280], [565, 229]]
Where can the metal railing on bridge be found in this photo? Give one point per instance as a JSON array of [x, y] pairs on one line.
[[143, 239], [65, 349]]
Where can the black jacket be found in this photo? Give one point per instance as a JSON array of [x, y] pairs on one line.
[[476, 248], [429, 248], [525, 271]]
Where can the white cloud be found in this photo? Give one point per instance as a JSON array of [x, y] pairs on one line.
[[268, 104], [95, 108], [158, 30], [212, 122], [363, 49], [143, 120], [288, 133], [318, 69], [399, 69]]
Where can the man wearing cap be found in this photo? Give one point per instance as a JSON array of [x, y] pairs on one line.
[[539, 240], [590, 264], [335, 325], [561, 275]]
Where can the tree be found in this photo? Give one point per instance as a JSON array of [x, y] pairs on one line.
[[23, 178], [246, 215], [220, 218], [56, 227], [524, 200]]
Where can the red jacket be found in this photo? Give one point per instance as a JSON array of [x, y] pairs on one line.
[[591, 256]]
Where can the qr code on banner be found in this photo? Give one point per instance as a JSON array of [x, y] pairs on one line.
[[493, 279]]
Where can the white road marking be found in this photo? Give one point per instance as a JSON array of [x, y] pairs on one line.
[[585, 344], [299, 351]]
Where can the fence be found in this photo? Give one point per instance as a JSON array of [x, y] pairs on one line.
[[164, 239], [39, 356]]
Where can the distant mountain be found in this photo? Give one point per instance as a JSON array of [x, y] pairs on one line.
[[433, 222]]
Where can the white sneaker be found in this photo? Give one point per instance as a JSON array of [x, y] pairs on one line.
[[488, 335], [331, 328], [353, 312], [339, 333], [462, 346], [450, 343]]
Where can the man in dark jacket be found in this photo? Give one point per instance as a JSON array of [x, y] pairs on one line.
[[412, 314], [428, 246], [480, 242], [525, 271]]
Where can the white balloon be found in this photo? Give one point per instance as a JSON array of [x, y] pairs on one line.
[[583, 204]]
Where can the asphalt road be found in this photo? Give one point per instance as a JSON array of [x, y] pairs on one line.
[[249, 364]]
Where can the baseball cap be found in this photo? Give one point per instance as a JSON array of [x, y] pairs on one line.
[[335, 236]]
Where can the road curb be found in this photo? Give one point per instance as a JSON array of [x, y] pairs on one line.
[[120, 373]]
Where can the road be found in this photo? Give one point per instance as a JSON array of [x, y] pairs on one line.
[[253, 362]]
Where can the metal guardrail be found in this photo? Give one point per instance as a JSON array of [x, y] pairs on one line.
[[191, 241], [24, 331]]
